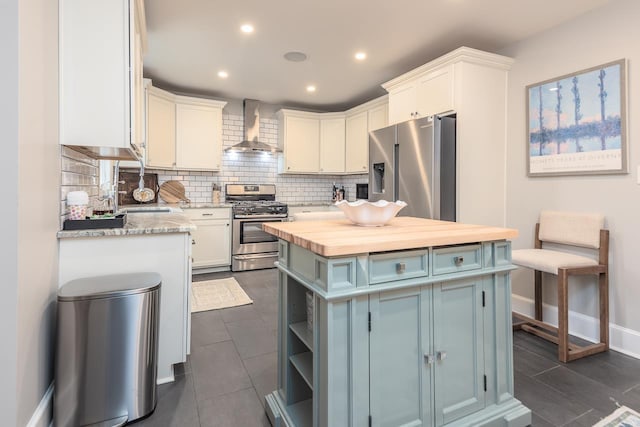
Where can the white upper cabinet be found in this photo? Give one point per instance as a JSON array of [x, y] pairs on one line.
[[360, 121], [100, 76], [435, 92], [332, 140], [379, 116], [299, 139], [357, 148], [472, 84], [161, 129], [427, 94], [403, 102], [198, 133], [183, 133], [329, 143]]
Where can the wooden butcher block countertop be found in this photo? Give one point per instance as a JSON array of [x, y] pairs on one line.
[[342, 237]]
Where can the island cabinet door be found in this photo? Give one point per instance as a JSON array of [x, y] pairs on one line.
[[459, 383], [400, 379]]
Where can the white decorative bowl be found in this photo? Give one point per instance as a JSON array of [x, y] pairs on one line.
[[373, 214]]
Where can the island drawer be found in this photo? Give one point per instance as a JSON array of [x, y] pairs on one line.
[[387, 267], [457, 258]]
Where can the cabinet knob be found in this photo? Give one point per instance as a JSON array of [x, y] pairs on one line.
[[288, 167], [428, 358], [458, 261], [441, 355], [227, 224], [401, 267]]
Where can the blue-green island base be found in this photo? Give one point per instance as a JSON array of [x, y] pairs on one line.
[[511, 413], [418, 337]]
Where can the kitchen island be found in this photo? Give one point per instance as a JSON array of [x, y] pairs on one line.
[[409, 324], [156, 242]]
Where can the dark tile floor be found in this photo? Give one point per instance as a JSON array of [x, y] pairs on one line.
[[233, 366]]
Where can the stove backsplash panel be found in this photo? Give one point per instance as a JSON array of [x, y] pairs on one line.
[[259, 168]]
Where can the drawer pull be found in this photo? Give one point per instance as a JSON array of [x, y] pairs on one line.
[[428, 358], [193, 241], [441, 355], [207, 214], [458, 261], [401, 267]]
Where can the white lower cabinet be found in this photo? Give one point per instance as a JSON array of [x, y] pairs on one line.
[[211, 241], [166, 254]]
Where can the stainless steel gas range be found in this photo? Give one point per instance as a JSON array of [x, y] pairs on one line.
[[253, 205]]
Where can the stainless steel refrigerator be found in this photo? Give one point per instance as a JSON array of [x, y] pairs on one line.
[[415, 161]]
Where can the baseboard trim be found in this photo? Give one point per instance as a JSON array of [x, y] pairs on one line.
[[621, 339], [43, 415]]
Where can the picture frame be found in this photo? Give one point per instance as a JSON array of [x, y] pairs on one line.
[[577, 123]]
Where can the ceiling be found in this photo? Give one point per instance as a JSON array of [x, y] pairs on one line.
[[189, 41]]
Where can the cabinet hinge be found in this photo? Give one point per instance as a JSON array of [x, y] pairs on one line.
[[369, 330], [483, 299], [370, 421], [485, 383]]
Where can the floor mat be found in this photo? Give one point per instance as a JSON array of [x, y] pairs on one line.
[[622, 416], [216, 294]]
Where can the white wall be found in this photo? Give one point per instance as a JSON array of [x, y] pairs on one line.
[[38, 202], [9, 194], [600, 36]]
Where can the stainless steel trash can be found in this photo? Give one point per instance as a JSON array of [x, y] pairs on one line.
[[106, 350]]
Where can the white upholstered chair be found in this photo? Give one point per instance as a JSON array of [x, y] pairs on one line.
[[570, 229]]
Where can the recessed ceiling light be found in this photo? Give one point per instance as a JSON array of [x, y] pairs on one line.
[[223, 74], [295, 56], [360, 56], [311, 88], [246, 28]]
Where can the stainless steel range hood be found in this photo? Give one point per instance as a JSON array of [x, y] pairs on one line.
[[251, 142]]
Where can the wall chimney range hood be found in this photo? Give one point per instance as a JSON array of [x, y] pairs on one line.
[[251, 112]]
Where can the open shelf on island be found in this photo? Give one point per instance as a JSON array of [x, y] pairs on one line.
[[301, 413], [302, 332], [303, 362]]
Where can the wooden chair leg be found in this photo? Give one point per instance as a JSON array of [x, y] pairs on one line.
[[563, 315], [603, 284], [538, 295]]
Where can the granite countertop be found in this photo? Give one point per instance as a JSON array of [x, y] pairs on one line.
[[138, 223], [342, 237]]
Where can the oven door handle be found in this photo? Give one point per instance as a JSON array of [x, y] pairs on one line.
[[275, 216], [254, 256]]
